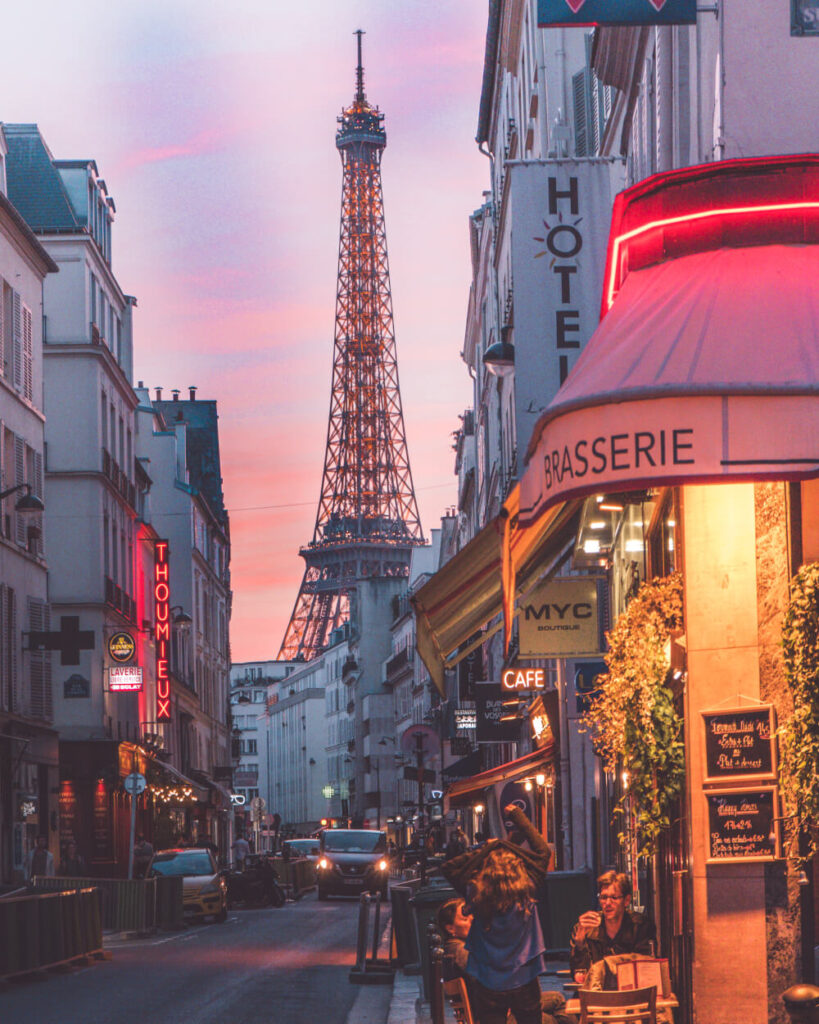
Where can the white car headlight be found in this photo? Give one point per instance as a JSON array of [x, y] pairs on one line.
[[382, 865], [324, 864]]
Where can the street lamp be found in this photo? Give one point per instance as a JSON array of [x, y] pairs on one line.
[[181, 620], [381, 743], [28, 503], [499, 359]]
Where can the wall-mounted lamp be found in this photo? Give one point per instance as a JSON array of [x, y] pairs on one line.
[[28, 503], [499, 358], [182, 621]]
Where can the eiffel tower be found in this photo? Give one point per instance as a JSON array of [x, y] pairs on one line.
[[367, 521]]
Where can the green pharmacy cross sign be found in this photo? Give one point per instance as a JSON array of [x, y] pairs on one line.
[[616, 12]]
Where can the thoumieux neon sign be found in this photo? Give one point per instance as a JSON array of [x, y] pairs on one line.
[[162, 606]]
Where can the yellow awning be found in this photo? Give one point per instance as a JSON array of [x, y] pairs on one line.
[[467, 592]]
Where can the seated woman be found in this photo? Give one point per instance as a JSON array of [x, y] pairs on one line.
[[454, 923]]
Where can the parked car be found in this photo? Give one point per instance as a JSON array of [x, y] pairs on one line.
[[309, 848], [256, 884], [204, 891], [352, 860]]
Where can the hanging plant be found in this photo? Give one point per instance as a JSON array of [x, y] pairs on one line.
[[799, 737], [632, 721]]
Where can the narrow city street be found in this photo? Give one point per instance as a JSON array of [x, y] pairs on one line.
[[287, 966]]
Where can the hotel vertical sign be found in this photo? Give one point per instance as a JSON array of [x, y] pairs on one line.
[[561, 212], [162, 608]]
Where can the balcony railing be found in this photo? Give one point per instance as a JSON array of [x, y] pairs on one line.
[[119, 600], [399, 663], [118, 477]]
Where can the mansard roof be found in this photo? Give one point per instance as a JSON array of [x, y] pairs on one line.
[[34, 184]]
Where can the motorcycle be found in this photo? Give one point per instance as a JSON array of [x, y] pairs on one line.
[[257, 884]]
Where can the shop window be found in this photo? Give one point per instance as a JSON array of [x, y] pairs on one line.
[[664, 535]]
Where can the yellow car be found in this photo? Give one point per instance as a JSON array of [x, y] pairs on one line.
[[204, 891]]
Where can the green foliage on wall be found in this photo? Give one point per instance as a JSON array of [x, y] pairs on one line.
[[799, 737], [633, 723]]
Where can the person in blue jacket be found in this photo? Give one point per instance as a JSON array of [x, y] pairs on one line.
[[505, 943]]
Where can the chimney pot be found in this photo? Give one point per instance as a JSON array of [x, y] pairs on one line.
[[192, 391], [140, 384], [175, 394], [159, 394]]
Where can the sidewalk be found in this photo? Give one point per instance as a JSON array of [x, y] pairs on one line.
[[408, 1007]]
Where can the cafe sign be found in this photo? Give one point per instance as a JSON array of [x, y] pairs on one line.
[[517, 679], [559, 619]]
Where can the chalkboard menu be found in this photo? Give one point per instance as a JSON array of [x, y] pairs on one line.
[[742, 825], [739, 744]]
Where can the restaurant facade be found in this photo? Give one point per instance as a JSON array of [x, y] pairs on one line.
[[675, 468]]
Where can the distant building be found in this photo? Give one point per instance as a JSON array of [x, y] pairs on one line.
[[252, 692], [178, 446]]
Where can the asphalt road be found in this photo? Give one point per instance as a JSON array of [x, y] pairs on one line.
[[285, 966]]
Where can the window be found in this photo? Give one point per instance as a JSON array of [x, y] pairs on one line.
[[8, 649], [805, 17]]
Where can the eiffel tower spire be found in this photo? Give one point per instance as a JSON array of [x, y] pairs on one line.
[[367, 521]]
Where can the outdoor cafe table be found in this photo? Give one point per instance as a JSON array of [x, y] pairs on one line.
[[663, 1003]]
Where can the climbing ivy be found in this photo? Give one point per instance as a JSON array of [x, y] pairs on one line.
[[799, 736], [632, 721]]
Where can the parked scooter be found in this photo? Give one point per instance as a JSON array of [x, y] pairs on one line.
[[256, 885]]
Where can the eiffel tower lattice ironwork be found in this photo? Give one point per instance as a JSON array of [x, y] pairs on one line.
[[367, 521]]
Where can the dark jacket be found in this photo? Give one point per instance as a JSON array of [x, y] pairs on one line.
[[525, 831], [636, 935]]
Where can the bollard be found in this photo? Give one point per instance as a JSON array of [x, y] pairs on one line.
[[802, 1004], [436, 981], [363, 928], [369, 972], [377, 924]]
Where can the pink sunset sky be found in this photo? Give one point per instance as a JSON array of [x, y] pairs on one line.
[[213, 125]]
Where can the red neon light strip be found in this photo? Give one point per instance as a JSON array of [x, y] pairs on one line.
[[724, 211]]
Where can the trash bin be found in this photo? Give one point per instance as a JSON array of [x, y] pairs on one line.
[[425, 904], [802, 1004], [403, 924]]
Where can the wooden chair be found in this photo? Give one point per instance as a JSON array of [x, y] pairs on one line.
[[637, 1006], [456, 993]]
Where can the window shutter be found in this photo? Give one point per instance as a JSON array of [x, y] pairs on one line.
[[581, 124], [17, 339], [19, 478], [9, 603], [28, 356], [2, 327], [41, 701], [5, 690], [36, 520]]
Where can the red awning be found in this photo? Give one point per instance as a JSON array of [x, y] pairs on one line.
[[706, 368], [462, 791]]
